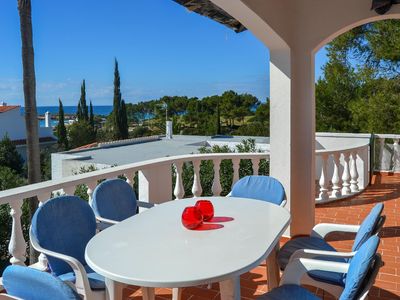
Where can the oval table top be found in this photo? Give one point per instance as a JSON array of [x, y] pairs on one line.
[[153, 249]]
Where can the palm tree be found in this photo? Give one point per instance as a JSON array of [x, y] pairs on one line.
[[31, 121]]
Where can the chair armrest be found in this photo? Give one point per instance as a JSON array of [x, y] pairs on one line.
[[297, 268], [283, 203], [145, 204], [8, 297], [323, 229], [310, 253], [105, 220], [82, 281]]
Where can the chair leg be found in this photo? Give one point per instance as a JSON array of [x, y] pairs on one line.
[[177, 293], [273, 268], [148, 293]]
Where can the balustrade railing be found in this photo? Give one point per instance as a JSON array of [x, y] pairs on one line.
[[387, 152], [152, 175], [340, 172]]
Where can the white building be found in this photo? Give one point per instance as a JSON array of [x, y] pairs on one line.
[[12, 123]]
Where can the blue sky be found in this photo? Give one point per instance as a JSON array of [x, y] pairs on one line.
[[162, 50]]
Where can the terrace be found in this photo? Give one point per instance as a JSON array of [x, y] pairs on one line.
[[341, 172]]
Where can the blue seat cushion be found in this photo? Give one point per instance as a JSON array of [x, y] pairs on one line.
[[264, 188], [313, 243], [114, 199], [289, 291], [367, 227], [96, 281], [28, 283], [360, 265]]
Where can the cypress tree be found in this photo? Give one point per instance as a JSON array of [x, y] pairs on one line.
[[83, 113], [218, 118], [124, 121], [79, 112], [61, 130], [116, 115], [91, 116]]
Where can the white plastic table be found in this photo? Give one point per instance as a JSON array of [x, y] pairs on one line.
[[153, 249]]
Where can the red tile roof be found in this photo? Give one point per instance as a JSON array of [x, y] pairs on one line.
[[8, 108]]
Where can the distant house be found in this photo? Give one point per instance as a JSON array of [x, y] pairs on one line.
[[12, 123]]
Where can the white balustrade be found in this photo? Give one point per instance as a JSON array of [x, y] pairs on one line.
[[179, 190], [354, 173], [216, 186], [256, 166], [346, 175], [17, 245], [236, 166], [336, 187], [90, 189], [196, 188], [323, 181]]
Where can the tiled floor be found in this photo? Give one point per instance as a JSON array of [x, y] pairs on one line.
[[385, 188]]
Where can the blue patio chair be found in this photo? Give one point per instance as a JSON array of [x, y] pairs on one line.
[[315, 246], [61, 229], [264, 188], [28, 283], [114, 201], [360, 273]]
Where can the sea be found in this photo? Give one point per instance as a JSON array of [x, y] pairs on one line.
[[100, 110]]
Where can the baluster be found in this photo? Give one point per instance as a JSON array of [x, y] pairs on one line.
[[396, 156], [216, 186], [236, 166], [256, 165], [354, 173], [70, 190], [381, 154], [42, 259], [90, 189], [336, 189], [323, 182], [346, 175], [17, 245], [129, 178], [179, 191], [196, 189]]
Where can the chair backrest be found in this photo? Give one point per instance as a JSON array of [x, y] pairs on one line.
[[368, 226], [360, 266], [114, 199], [65, 225], [264, 188], [28, 283]]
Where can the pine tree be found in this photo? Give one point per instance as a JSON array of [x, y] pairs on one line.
[[116, 115], [61, 130], [124, 121]]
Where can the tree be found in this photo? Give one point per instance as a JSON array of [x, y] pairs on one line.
[[61, 129], [116, 114], [91, 116], [80, 133], [124, 121], [9, 157], [29, 83], [82, 113]]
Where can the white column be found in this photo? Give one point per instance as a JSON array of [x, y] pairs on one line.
[[323, 181], [216, 186], [179, 191], [336, 193], [196, 188], [17, 245], [293, 132], [155, 184], [346, 175], [354, 173]]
